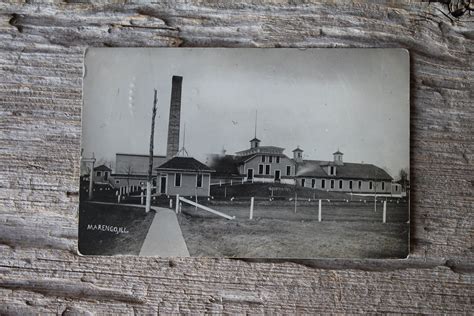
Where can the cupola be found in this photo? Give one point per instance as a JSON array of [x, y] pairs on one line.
[[298, 154], [338, 158], [254, 143]]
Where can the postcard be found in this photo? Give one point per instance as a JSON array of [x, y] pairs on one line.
[[245, 153]]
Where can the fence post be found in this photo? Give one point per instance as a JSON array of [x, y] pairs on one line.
[[319, 211], [296, 200], [384, 212], [251, 207], [141, 198], [177, 203], [375, 202], [220, 183], [118, 199], [171, 203], [242, 180]]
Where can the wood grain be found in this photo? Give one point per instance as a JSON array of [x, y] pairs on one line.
[[41, 58]]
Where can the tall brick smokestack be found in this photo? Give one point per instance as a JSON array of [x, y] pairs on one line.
[[175, 117]]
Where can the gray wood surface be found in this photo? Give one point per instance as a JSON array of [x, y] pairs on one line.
[[41, 56]]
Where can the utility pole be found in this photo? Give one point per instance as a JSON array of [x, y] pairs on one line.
[[91, 174], [150, 165]]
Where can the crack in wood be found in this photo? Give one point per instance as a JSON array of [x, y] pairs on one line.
[[71, 289]]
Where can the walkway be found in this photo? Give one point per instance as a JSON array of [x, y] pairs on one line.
[[164, 238]]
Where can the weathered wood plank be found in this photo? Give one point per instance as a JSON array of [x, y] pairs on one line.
[[41, 56]]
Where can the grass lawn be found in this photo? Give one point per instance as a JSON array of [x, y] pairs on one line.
[[112, 229], [351, 230]]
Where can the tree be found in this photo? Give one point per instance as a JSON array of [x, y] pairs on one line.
[[403, 175]]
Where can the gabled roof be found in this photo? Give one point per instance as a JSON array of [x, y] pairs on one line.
[[102, 168], [362, 171], [297, 149], [184, 163], [310, 168], [266, 150], [255, 139], [348, 170], [338, 153], [242, 159]]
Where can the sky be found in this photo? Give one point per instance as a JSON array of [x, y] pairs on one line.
[[322, 100]]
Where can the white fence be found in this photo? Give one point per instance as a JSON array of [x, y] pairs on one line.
[[203, 207], [320, 208]]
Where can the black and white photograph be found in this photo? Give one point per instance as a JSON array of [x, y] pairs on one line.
[[245, 153]]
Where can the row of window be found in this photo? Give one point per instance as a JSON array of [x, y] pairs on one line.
[[178, 176], [271, 159], [340, 184], [266, 169]]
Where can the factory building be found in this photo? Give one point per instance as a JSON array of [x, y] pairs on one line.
[[270, 164]]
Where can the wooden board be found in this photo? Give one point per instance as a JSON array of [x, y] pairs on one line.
[[41, 57]]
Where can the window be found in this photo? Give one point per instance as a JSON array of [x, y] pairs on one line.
[[267, 169], [177, 180], [332, 184], [360, 185], [340, 184], [98, 173], [313, 183], [278, 159], [350, 185], [383, 185], [299, 155], [106, 175], [199, 180], [323, 183], [370, 185], [396, 188], [331, 170], [260, 169], [270, 159], [303, 182], [263, 158], [117, 181], [288, 170]]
